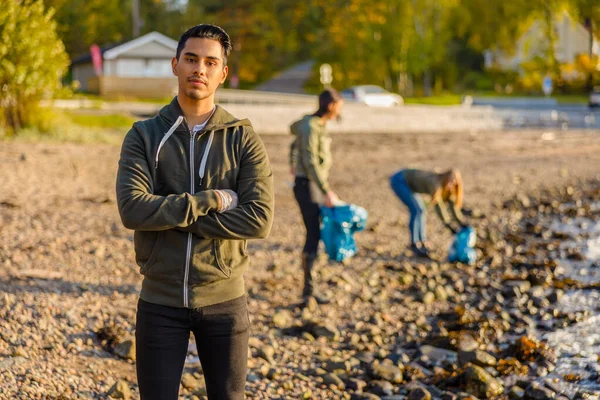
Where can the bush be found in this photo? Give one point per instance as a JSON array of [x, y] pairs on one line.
[[32, 63], [479, 81]]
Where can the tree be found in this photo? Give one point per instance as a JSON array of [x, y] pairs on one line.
[[82, 23], [588, 13], [32, 60]]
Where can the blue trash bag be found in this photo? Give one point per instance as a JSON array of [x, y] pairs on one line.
[[462, 248], [338, 225]]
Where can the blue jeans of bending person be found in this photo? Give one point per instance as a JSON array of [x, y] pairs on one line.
[[415, 205]]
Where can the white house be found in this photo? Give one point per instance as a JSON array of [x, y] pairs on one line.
[[140, 67], [572, 39]]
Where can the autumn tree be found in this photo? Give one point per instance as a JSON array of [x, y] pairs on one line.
[[32, 60]]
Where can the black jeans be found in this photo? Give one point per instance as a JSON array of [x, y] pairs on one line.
[[309, 197], [162, 335]]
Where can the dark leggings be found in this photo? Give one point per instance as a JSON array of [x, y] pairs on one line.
[[308, 197], [162, 335]]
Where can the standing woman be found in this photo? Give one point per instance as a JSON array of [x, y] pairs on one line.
[[410, 184], [310, 161]]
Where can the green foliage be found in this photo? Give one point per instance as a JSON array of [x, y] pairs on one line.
[[32, 62], [60, 126], [406, 46], [117, 121], [443, 99], [478, 81]]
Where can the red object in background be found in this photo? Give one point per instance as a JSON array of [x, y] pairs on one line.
[[234, 81], [96, 58]]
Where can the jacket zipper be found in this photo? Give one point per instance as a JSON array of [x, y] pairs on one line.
[[189, 242]]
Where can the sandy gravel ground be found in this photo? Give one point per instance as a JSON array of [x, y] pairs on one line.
[[67, 270]]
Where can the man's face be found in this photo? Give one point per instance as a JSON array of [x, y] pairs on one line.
[[200, 68]]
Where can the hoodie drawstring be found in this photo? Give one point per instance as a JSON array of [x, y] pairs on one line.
[[202, 169], [166, 137]]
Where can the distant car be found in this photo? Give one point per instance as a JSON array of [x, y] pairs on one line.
[[372, 95], [595, 97]]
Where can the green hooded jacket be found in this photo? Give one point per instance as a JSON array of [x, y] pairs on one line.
[[310, 152], [190, 255]]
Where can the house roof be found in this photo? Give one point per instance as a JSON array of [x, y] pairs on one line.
[[142, 40], [113, 51], [87, 57]]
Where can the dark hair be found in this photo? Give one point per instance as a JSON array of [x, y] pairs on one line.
[[327, 97], [206, 31]]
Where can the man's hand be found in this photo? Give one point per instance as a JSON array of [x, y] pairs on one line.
[[228, 200], [331, 199], [293, 171]]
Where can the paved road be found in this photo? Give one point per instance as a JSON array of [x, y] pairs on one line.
[[541, 113], [273, 112], [563, 117]]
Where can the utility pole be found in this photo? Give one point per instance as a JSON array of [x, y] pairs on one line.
[[137, 21]]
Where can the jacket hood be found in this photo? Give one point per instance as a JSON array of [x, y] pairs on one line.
[[305, 120], [220, 120]]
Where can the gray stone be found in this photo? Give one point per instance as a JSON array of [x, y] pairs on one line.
[[406, 279], [481, 384], [440, 293], [516, 288], [555, 296], [266, 352], [382, 388], [126, 349], [333, 379], [11, 361], [190, 383], [467, 342], [336, 364], [364, 396], [356, 385], [477, 357], [120, 390], [282, 319], [428, 298], [419, 394], [366, 357], [386, 372], [535, 391], [436, 354], [325, 331], [448, 396], [516, 393]]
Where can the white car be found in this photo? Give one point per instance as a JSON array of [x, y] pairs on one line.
[[372, 95]]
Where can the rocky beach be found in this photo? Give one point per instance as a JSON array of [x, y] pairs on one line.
[[522, 323]]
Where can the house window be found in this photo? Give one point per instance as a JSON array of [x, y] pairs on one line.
[[144, 68], [159, 68], [131, 67]]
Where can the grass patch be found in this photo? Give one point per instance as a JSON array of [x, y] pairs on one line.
[[61, 127], [71, 134], [117, 121], [571, 99], [450, 99], [118, 98], [436, 100]]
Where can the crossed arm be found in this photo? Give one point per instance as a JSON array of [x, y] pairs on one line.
[[142, 210]]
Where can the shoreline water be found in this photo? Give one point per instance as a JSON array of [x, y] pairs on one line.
[[579, 345]]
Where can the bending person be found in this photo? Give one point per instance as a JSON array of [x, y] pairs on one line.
[[410, 184]]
